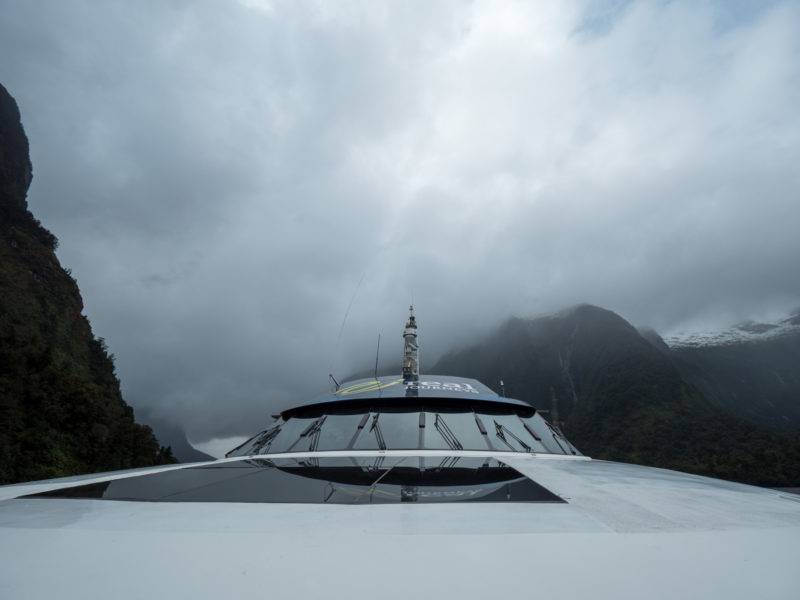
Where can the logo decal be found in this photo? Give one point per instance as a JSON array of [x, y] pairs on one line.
[[367, 386], [442, 386], [452, 387]]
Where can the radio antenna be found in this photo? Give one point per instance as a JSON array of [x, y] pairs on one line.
[[344, 321], [377, 354], [333, 379]]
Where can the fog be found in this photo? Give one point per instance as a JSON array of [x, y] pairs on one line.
[[226, 179]]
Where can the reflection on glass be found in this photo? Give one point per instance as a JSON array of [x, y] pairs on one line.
[[322, 480]]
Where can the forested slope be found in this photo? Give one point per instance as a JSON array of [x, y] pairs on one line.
[[61, 410]]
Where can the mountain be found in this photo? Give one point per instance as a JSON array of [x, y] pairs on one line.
[[747, 331], [61, 410], [175, 438], [751, 370], [618, 396]]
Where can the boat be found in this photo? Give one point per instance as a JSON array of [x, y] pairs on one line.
[[414, 485]]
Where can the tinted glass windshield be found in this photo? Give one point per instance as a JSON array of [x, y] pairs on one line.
[[389, 430], [412, 429], [289, 437]]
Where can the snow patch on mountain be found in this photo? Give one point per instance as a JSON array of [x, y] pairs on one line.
[[747, 331]]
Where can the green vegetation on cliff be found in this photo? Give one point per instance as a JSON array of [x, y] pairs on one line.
[[61, 410]]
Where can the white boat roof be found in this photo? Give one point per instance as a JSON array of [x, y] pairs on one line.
[[622, 531]]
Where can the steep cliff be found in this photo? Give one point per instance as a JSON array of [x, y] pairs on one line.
[[61, 410]]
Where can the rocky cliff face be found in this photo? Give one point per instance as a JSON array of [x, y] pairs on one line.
[[620, 397], [61, 410]]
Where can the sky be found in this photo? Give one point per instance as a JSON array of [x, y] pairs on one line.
[[230, 180]]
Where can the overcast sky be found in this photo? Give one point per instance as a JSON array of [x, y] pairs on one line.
[[222, 176]]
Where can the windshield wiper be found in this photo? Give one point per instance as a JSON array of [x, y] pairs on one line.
[[314, 432], [313, 428], [447, 433], [530, 430], [359, 428], [501, 431], [259, 440], [480, 425], [267, 439], [376, 428], [484, 433], [557, 434]]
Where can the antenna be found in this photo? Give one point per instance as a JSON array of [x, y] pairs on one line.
[[344, 321], [502, 389], [333, 379], [377, 354]]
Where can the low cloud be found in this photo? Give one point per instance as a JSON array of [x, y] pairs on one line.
[[222, 176]]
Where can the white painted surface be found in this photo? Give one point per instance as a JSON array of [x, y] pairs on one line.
[[626, 532]]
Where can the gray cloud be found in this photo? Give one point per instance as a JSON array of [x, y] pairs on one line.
[[221, 175]]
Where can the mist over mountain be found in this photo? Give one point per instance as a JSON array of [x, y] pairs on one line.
[[61, 410], [173, 436], [752, 370], [619, 396]]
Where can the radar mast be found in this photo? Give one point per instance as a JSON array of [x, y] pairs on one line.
[[410, 349]]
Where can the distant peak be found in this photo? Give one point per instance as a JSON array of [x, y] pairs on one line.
[[16, 172], [584, 309], [593, 314]]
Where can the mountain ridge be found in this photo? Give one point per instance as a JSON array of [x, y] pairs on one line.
[[618, 396]]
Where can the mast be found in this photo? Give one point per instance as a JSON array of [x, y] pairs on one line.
[[410, 349]]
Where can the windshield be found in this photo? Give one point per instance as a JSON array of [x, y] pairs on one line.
[[420, 429]]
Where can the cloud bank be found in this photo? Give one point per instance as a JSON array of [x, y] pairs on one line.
[[223, 175]]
